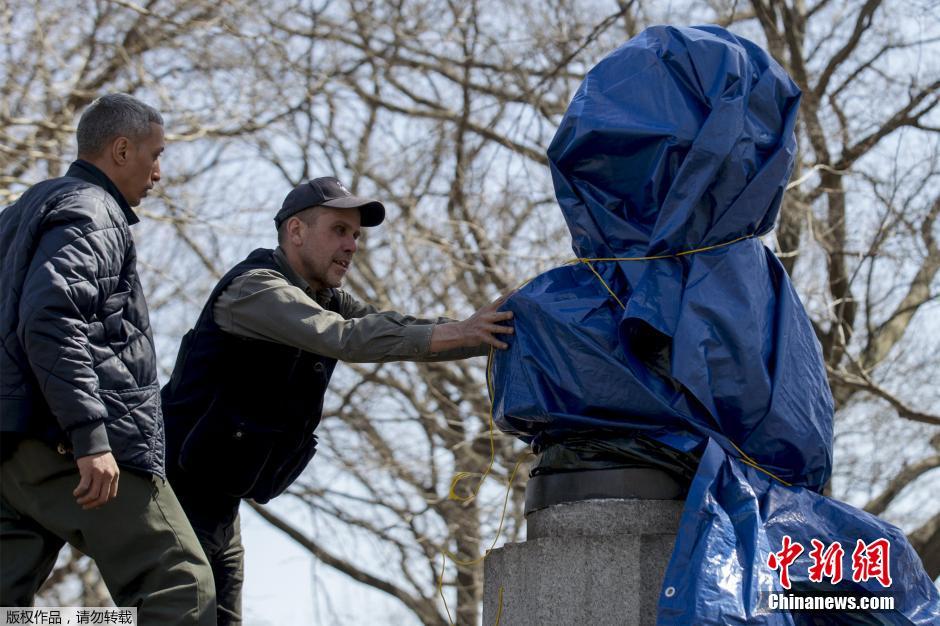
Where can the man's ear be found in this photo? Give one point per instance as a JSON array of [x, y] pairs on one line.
[[295, 228], [120, 150]]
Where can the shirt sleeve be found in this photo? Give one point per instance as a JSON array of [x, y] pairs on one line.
[[263, 304]]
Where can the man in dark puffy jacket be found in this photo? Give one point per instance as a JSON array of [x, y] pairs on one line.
[[78, 383], [247, 391]]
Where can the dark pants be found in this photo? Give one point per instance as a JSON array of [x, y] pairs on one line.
[[216, 522], [141, 541]]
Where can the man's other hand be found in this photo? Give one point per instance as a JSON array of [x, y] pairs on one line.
[[480, 328], [99, 480]]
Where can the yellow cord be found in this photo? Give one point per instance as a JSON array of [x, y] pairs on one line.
[[744, 457], [645, 258], [499, 607], [666, 256], [453, 496], [499, 530], [459, 476], [749, 461], [502, 519], [440, 589], [603, 282]]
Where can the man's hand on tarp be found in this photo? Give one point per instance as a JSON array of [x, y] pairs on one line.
[[481, 328]]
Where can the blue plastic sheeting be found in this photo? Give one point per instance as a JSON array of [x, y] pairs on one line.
[[681, 139], [735, 516], [678, 146]]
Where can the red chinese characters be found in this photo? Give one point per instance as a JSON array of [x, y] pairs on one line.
[[872, 560], [826, 563], [783, 559], [869, 561]]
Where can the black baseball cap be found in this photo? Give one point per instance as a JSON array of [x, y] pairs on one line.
[[328, 191]]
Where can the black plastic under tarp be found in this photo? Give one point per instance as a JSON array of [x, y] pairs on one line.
[[678, 326], [596, 451]]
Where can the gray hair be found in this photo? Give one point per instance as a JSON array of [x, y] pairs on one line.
[[112, 116]]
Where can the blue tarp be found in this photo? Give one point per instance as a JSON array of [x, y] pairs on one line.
[[678, 323]]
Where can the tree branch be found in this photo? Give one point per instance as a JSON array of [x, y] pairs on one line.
[[926, 541], [905, 477], [892, 330], [862, 382], [862, 23], [421, 607]]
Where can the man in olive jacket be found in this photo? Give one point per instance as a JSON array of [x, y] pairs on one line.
[[79, 399], [247, 391]]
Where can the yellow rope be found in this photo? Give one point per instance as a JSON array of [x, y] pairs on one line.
[[499, 530], [502, 518], [459, 476], [744, 457], [440, 589], [603, 282], [666, 256], [453, 496], [499, 607], [749, 461]]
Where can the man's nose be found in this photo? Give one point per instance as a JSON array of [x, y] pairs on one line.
[[155, 174], [352, 245]]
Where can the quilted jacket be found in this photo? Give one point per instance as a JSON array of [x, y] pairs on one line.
[[77, 365]]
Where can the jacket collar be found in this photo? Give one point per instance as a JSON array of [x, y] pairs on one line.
[[83, 170]]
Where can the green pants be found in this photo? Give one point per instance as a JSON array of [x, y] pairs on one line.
[[141, 541], [215, 520]]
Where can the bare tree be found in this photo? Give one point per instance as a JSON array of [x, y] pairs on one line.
[[444, 109], [56, 57], [859, 233]]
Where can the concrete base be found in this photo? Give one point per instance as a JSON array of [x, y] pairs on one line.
[[593, 562]]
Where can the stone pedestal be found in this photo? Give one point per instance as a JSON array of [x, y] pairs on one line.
[[585, 562]]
